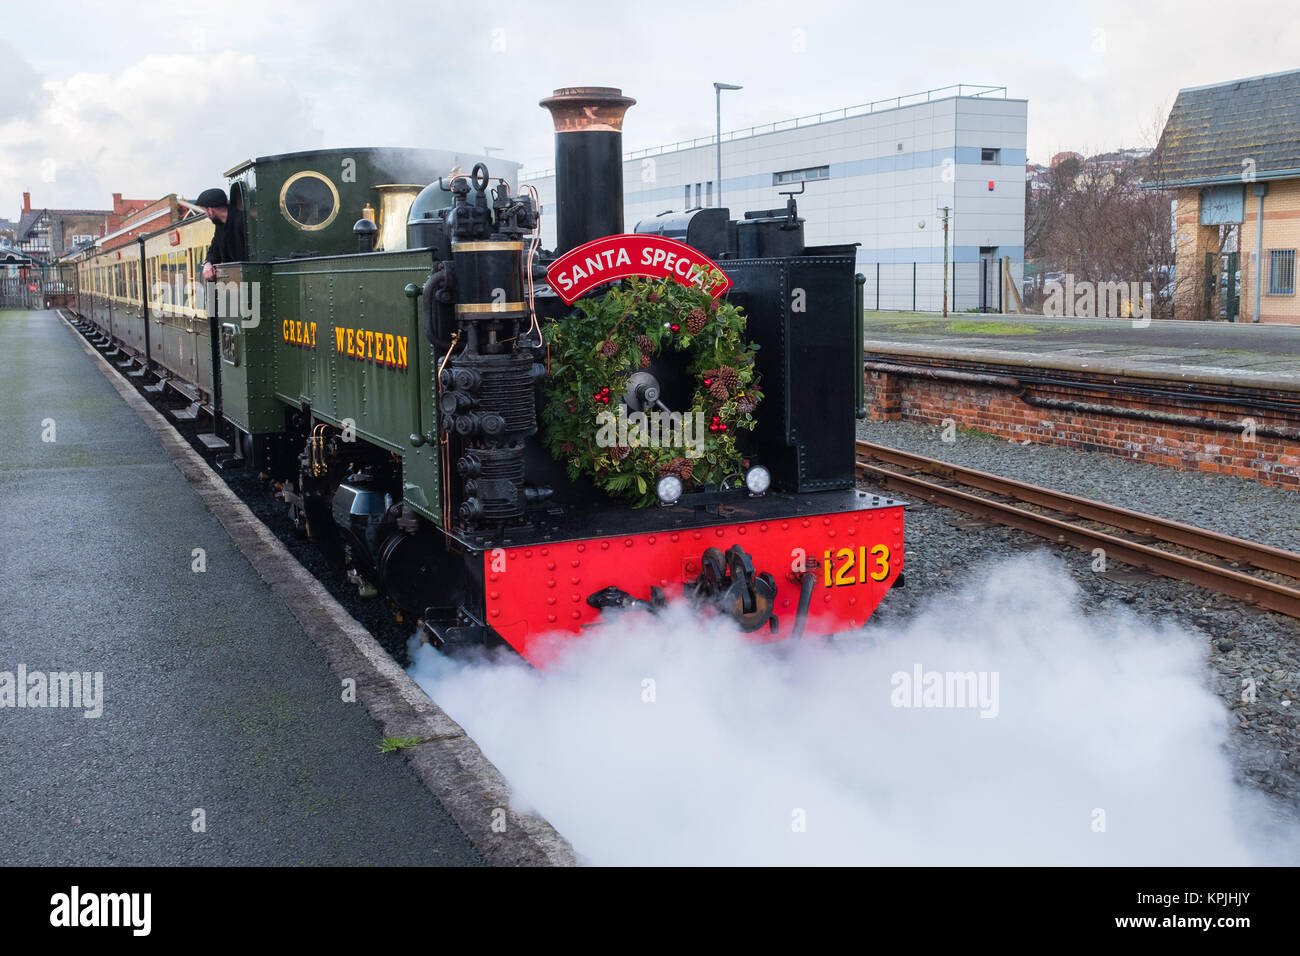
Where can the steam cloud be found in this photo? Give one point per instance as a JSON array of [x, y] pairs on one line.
[[741, 742]]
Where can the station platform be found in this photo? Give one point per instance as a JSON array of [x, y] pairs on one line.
[[1219, 353], [1200, 396], [214, 699]]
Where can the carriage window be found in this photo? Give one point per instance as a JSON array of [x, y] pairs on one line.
[[309, 200]]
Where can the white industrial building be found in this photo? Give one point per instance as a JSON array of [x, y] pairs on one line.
[[876, 174]]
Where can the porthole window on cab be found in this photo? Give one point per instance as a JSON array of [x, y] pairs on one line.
[[309, 200]]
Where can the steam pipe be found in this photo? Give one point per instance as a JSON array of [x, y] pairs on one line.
[[1020, 389], [859, 389], [1164, 418], [417, 437], [1224, 397], [807, 581]]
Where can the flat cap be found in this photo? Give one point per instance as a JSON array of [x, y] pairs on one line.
[[212, 197]]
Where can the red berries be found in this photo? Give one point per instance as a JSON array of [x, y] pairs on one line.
[[602, 397], [675, 327], [717, 425]]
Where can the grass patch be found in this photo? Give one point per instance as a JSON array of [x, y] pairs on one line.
[[993, 328], [390, 744], [970, 431]]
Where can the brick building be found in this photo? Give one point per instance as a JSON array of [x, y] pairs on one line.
[[148, 217], [1231, 156], [49, 234]]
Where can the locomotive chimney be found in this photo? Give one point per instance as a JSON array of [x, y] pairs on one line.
[[588, 163]]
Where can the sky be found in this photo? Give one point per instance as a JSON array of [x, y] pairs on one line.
[[147, 98]]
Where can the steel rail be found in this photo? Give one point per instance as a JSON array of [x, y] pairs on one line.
[[1267, 594], [1225, 546]]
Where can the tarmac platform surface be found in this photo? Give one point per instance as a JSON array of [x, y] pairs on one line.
[[214, 698], [1246, 354]]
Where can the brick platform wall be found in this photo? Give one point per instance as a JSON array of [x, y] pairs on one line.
[[998, 411]]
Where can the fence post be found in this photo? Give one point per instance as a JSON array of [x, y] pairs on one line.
[[877, 286], [913, 286]]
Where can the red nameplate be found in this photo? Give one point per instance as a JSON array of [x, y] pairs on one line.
[[594, 263]]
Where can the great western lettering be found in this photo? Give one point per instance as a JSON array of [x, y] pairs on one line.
[[367, 345], [299, 333]]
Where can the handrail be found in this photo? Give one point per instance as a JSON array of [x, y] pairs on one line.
[[862, 109]]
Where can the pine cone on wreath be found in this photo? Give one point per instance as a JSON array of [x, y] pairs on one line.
[[695, 321], [727, 376], [719, 391], [609, 348]]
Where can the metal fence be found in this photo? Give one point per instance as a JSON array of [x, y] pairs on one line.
[[33, 287], [919, 286]]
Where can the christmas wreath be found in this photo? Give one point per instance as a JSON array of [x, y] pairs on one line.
[[596, 350]]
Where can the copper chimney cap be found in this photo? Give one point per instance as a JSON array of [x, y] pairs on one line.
[[577, 109]]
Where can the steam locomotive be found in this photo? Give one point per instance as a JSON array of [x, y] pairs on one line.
[[389, 381]]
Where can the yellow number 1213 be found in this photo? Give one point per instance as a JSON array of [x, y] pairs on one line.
[[850, 567]]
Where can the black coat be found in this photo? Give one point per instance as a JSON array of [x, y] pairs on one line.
[[229, 243]]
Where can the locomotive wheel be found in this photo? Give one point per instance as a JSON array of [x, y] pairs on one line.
[[420, 574], [320, 528]]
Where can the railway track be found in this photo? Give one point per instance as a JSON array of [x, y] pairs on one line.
[[1218, 562]]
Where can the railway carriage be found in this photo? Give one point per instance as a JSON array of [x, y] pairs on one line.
[[390, 356]]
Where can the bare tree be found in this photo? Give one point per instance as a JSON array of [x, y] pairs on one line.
[[1096, 221]]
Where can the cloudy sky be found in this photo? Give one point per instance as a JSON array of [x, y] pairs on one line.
[[147, 98]]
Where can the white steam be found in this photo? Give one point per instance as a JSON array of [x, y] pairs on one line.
[[675, 741]]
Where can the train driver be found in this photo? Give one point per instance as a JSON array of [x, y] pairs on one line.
[[229, 243]]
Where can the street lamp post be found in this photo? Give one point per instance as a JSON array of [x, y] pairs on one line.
[[717, 92], [945, 210]]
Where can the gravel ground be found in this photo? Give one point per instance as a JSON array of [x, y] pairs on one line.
[[1218, 502], [1240, 642]]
